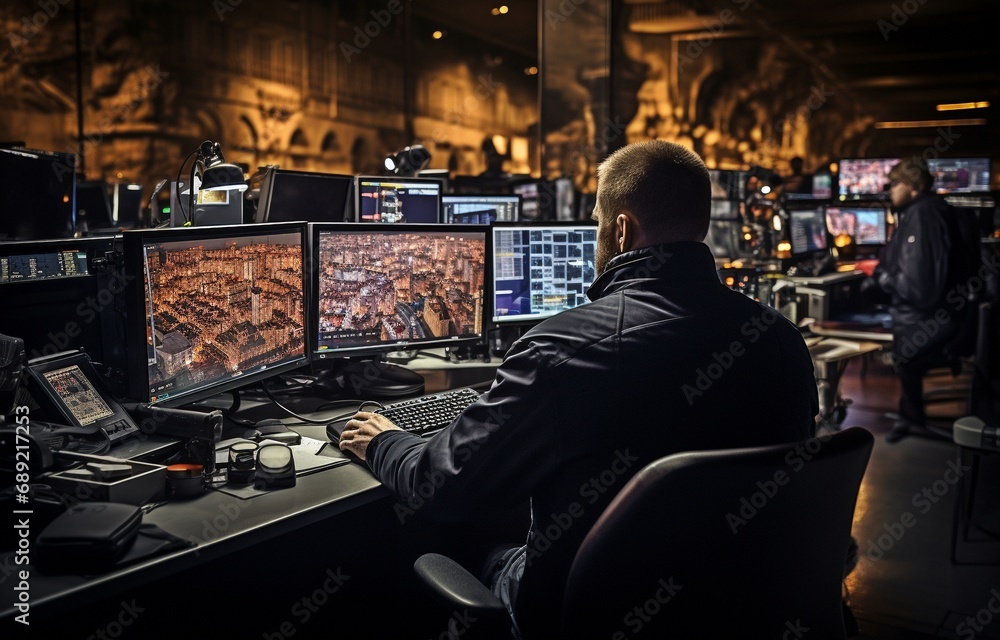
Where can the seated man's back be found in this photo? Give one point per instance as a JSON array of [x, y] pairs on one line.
[[664, 359]]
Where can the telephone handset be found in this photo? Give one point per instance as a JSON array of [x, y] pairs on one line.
[[69, 389]]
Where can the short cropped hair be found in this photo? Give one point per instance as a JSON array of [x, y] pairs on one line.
[[912, 172], [663, 184]]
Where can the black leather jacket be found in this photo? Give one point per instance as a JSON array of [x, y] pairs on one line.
[[664, 359], [914, 266]]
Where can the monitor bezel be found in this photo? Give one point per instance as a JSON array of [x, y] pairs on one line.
[[132, 245], [267, 193], [357, 196], [525, 321], [509, 196], [364, 351], [839, 196]]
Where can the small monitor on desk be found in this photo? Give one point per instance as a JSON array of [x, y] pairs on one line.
[[481, 209], [383, 288], [212, 308], [303, 195], [397, 200], [807, 231], [541, 269], [866, 226]]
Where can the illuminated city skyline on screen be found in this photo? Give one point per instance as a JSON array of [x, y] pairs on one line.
[[220, 309], [383, 288]]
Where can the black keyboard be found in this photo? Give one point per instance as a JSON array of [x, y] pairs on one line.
[[429, 414]]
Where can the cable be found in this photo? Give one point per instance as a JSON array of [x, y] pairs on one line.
[[180, 199], [292, 413]]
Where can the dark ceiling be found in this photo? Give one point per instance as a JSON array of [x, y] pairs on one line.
[[897, 60]]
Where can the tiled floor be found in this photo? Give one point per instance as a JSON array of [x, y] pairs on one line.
[[906, 584]]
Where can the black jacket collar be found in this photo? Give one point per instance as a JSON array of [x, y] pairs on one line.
[[673, 262]]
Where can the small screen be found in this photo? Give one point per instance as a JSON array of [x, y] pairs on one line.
[[300, 195], [960, 175], [528, 191], [865, 225], [864, 178], [483, 209], [387, 288], [807, 231], [43, 266], [540, 270], [398, 200], [728, 185], [78, 394], [822, 186], [221, 309]]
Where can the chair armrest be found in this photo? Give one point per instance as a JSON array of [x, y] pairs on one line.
[[456, 588]]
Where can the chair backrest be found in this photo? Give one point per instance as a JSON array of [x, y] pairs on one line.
[[733, 543]]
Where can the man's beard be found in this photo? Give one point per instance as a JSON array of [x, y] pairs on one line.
[[605, 249]]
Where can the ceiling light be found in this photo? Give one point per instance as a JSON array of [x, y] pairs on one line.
[[495, 11], [958, 106], [437, 35], [531, 71], [503, 9], [930, 124]]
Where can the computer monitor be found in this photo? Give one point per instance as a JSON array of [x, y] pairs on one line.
[[37, 194], [541, 269], [382, 289], [57, 296], [865, 225], [530, 197], [395, 200], [863, 178], [822, 186], [481, 208], [287, 195], [728, 185], [960, 175], [92, 198], [126, 204], [213, 308], [807, 231]]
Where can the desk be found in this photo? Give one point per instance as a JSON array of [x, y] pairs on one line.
[[848, 331], [830, 358], [255, 560]]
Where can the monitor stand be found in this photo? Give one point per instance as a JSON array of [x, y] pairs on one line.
[[363, 379]]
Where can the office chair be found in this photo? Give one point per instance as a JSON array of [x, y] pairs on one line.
[[753, 543]]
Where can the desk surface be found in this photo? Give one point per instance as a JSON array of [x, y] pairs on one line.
[[846, 330], [220, 524]]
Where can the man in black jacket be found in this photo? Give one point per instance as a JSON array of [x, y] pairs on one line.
[[918, 268], [663, 359]]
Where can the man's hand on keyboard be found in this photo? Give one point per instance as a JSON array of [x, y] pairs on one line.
[[360, 430]]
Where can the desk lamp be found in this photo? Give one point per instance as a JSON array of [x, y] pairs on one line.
[[213, 175]]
